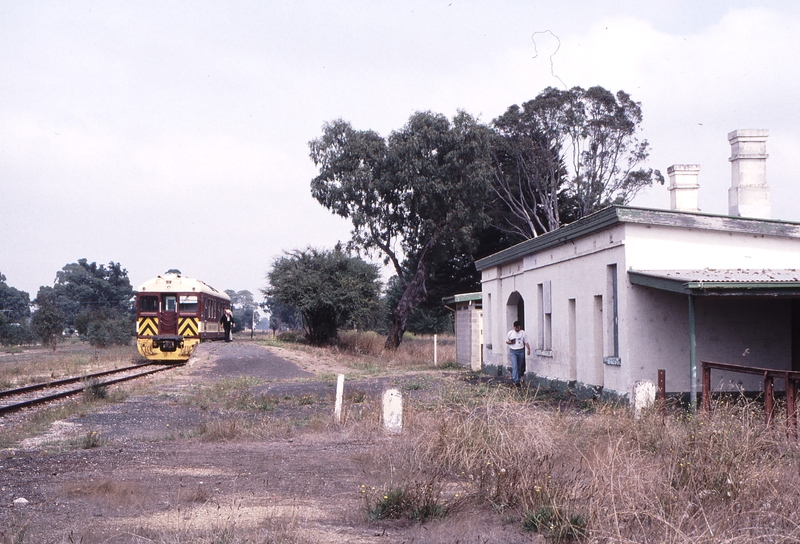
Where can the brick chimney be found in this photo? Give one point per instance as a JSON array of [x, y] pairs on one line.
[[683, 187], [749, 194]]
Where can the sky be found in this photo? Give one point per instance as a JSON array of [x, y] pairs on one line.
[[175, 134]]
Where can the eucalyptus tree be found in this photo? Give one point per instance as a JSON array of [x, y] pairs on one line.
[[417, 197], [530, 172], [607, 155], [564, 155], [49, 319], [14, 314], [96, 300]]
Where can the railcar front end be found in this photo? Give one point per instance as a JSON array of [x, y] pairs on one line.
[[174, 314]]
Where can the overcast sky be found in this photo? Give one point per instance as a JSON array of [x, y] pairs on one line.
[[175, 134]]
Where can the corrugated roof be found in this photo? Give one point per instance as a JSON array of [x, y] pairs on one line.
[[751, 281], [728, 274]]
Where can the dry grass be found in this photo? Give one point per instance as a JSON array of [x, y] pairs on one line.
[[276, 527], [111, 492], [362, 353], [603, 476], [72, 358], [484, 451]]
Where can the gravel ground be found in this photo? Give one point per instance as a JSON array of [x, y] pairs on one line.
[[155, 477]]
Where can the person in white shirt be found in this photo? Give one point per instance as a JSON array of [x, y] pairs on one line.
[[518, 343]]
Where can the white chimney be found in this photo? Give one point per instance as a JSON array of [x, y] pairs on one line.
[[749, 194], [683, 187]]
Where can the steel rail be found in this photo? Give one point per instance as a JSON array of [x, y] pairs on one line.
[[67, 381], [62, 394]]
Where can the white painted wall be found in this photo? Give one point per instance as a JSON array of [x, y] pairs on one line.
[[468, 322], [653, 324]]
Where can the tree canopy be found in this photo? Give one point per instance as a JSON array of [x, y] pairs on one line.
[[329, 288], [87, 286], [14, 314], [96, 301], [566, 154], [244, 308], [417, 197], [281, 315], [49, 320]]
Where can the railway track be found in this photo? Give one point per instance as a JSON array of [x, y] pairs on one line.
[[12, 400]]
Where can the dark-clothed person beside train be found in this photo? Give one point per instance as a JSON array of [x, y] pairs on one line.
[[227, 324]]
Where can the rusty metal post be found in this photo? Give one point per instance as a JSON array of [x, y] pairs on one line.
[[791, 403], [769, 397], [692, 355], [662, 390], [706, 387]]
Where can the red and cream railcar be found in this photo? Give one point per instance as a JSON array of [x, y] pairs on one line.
[[174, 314]]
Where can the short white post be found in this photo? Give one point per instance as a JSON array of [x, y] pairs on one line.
[[642, 396], [392, 411], [435, 352], [337, 410]]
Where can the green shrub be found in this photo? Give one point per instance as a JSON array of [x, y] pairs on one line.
[[94, 390], [416, 501], [92, 439], [555, 523]]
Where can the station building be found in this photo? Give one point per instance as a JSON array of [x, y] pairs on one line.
[[612, 298]]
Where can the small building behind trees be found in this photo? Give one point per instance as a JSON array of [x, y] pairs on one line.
[[468, 321]]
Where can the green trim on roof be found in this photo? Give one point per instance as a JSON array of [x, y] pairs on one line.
[[464, 297], [614, 215]]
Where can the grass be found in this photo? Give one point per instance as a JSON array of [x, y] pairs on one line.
[[568, 471], [94, 390], [92, 439], [558, 525], [231, 393], [72, 358], [364, 352], [600, 476], [416, 501]]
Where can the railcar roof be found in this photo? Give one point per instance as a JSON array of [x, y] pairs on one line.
[[176, 283]]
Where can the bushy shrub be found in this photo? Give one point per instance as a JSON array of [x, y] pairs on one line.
[[418, 501], [15, 334], [105, 327]]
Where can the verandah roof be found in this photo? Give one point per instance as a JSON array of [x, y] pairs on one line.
[[721, 282]]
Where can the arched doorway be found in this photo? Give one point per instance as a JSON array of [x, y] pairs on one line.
[[515, 310]]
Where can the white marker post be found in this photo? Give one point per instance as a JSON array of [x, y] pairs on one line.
[[435, 350], [392, 411], [337, 411]]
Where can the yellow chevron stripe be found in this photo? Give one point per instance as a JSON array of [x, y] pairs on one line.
[[147, 326], [187, 326]]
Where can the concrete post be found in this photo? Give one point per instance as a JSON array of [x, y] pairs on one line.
[[337, 410], [392, 411]]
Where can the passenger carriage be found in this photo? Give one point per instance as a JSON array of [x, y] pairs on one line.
[[174, 314]]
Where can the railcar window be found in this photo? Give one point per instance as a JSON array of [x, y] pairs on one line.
[[148, 304], [188, 303], [169, 303]]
